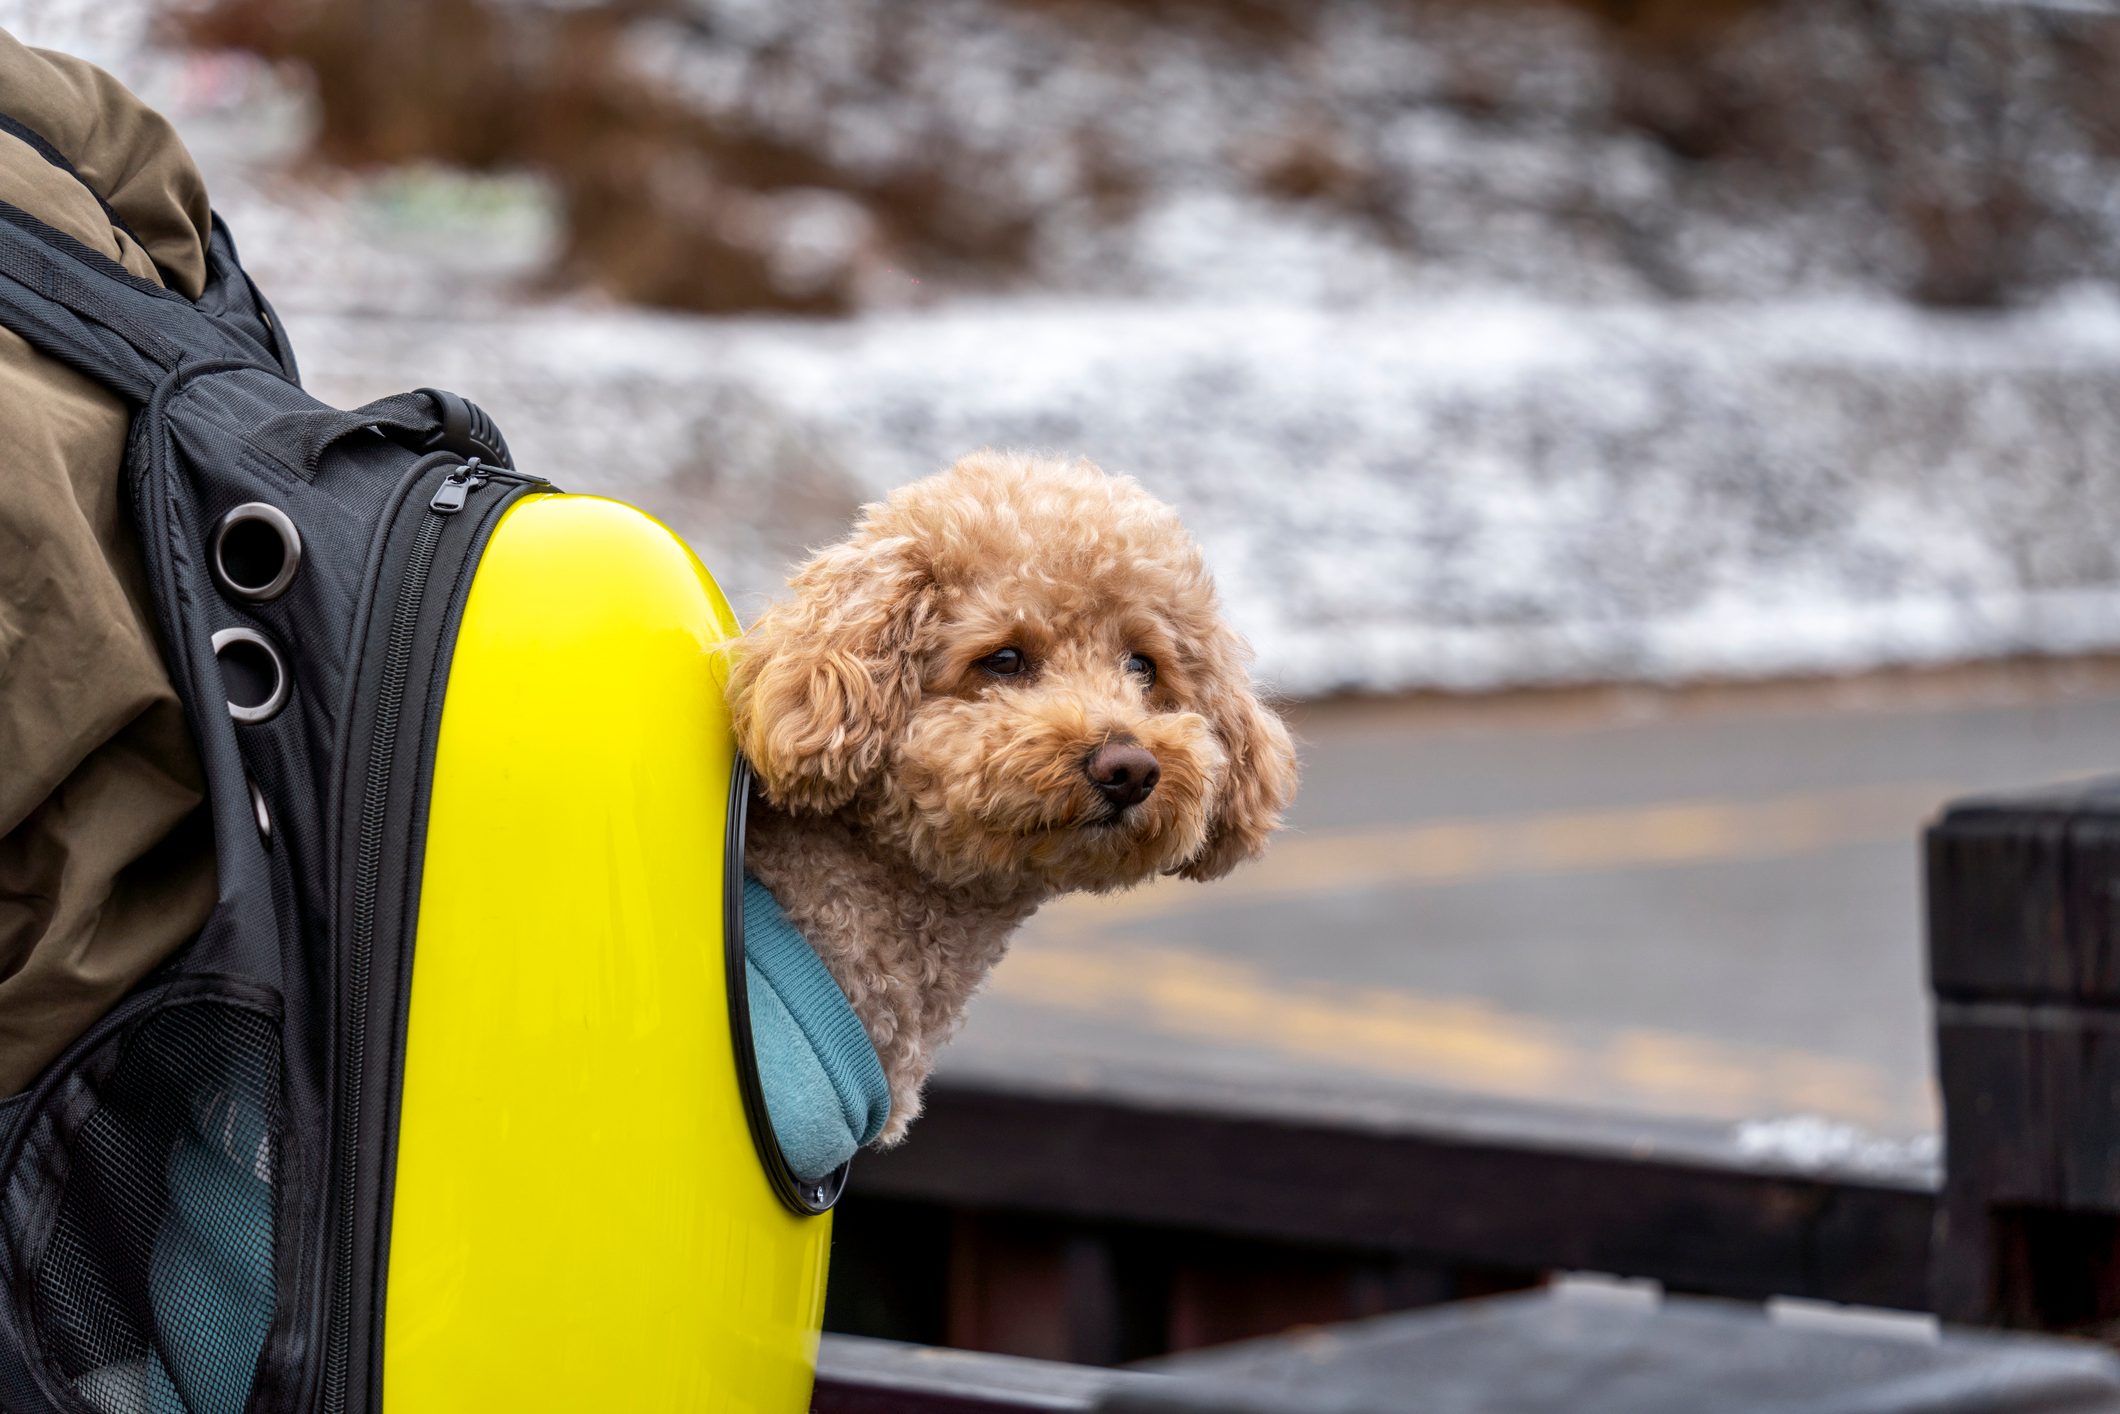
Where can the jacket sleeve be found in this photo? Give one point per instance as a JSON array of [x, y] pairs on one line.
[[105, 854], [124, 151]]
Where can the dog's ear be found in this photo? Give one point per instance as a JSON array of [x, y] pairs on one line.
[[1259, 780], [824, 682]]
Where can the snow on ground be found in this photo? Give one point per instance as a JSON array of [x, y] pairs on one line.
[[1475, 488], [1465, 496], [1809, 1143]]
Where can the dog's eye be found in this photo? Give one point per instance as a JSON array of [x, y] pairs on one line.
[[1005, 662], [1142, 666]]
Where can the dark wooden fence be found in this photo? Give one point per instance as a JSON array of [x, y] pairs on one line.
[[1113, 1222], [1099, 1228], [2024, 958]]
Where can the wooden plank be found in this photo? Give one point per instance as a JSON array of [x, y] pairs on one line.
[[2022, 901], [1589, 1352], [2024, 937], [2034, 1102], [2093, 904], [1221, 1291], [1472, 1194], [1108, 1292], [857, 1376], [1034, 1289]]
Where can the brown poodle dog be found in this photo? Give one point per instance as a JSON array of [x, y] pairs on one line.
[[1011, 681]]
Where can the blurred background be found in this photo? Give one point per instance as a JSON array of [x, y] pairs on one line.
[[1660, 449]]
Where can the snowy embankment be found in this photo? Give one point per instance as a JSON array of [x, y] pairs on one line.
[[1467, 488], [1468, 495]]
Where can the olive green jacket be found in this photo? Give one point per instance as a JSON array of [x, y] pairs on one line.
[[105, 857]]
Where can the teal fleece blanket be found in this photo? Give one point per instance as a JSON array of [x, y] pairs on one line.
[[824, 1087]]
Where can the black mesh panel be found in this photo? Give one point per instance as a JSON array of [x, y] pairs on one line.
[[151, 1288]]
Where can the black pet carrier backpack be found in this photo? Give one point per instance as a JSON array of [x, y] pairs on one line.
[[307, 1166]]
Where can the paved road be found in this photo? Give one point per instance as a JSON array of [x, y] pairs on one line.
[[1702, 905]]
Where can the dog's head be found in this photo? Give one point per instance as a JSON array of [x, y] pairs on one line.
[[1016, 671]]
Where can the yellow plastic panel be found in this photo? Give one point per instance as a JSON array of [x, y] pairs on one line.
[[581, 1222]]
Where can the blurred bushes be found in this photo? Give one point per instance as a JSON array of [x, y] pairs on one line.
[[818, 155]]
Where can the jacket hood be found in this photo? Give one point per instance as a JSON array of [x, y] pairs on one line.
[[125, 153]]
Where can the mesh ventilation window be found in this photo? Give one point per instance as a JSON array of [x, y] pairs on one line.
[[152, 1291]]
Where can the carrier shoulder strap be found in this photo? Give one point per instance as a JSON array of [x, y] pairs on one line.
[[81, 307], [86, 310]]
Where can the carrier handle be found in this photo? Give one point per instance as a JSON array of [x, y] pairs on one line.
[[429, 419], [468, 431]]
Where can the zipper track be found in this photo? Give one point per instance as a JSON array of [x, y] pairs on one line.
[[368, 863], [366, 919]]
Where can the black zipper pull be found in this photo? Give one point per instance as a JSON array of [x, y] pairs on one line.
[[456, 488]]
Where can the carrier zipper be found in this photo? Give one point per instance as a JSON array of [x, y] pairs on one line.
[[368, 858], [456, 488], [449, 497]]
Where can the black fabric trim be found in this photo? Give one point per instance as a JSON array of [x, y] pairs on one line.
[[301, 438], [397, 1019], [45, 149], [47, 274], [157, 993], [90, 361], [87, 255], [802, 1199], [221, 248]]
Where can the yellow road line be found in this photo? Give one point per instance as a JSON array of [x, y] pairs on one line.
[[1458, 851], [1466, 1044], [1452, 1043]]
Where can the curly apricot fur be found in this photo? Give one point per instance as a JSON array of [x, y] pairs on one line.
[[916, 807]]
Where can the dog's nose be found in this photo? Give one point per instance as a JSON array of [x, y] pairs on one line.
[[1123, 772]]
